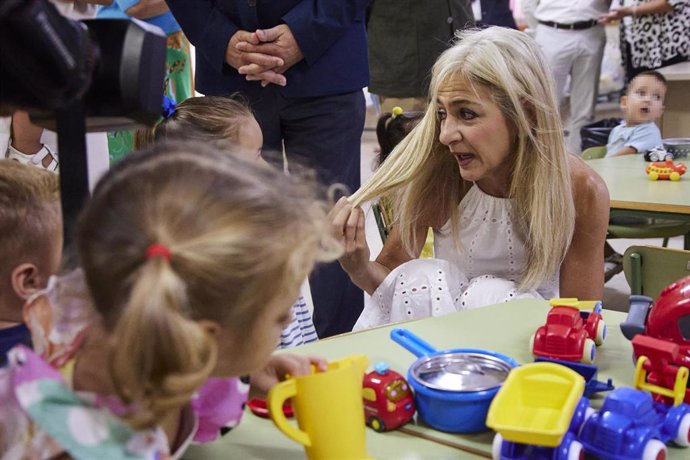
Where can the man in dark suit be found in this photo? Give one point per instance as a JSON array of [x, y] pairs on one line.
[[405, 39], [494, 13], [302, 64]]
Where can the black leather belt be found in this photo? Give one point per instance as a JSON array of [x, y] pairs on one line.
[[582, 25]]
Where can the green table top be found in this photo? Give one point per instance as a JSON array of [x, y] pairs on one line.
[[630, 189], [504, 328]]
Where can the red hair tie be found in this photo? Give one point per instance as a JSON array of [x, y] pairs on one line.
[[158, 250]]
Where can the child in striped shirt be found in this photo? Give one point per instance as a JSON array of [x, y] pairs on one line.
[[218, 120]]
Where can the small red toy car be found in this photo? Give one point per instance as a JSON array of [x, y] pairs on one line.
[[388, 401], [665, 170], [569, 334], [666, 337]]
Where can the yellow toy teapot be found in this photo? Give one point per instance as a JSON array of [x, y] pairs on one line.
[[329, 410]]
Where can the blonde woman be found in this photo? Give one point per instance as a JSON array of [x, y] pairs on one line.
[[486, 168]]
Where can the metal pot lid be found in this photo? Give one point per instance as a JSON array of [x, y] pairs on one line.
[[461, 371]]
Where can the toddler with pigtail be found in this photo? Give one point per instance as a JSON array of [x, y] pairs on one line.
[[227, 122], [192, 259]]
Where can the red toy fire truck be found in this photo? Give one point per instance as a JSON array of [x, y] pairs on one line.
[[570, 334], [388, 401], [665, 335]]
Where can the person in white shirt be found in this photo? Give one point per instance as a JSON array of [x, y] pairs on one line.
[[573, 41]]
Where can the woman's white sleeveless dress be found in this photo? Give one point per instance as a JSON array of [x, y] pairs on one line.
[[484, 270]]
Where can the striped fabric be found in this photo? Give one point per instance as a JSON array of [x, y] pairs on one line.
[[301, 330]]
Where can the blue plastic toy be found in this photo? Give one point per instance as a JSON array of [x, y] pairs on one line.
[[538, 413], [568, 449], [588, 372], [637, 316], [630, 425]]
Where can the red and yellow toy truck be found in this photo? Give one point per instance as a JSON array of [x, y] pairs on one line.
[[570, 334], [665, 170], [664, 335], [388, 401]]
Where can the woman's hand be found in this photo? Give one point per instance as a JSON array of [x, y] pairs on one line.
[[347, 226], [279, 367], [615, 14]]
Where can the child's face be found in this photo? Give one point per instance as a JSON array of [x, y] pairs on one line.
[[243, 356], [251, 139], [644, 102], [46, 262], [49, 254]]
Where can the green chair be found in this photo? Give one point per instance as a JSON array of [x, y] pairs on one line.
[[383, 214], [381, 221], [646, 228], [649, 269], [594, 153]]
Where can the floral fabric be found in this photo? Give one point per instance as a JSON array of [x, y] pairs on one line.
[[42, 416]]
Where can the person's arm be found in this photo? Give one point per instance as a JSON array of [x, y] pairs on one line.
[[309, 29], [529, 9], [643, 138], [278, 367], [650, 7], [582, 270], [216, 36], [347, 225], [317, 24], [624, 151], [143, 9], [206, 27]]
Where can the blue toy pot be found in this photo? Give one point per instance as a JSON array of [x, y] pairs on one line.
[[453, 388]]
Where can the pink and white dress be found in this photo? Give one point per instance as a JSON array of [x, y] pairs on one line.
[[41, 416]]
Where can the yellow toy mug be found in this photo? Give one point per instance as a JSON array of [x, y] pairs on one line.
[[329, 410]]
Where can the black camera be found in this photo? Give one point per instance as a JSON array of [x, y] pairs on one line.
[[73, 76], [115, 67]]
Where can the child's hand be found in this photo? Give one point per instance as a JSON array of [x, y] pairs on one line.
[[278, 367]]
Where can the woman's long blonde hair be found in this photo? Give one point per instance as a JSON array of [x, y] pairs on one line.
[[240, 234], [422, 175]]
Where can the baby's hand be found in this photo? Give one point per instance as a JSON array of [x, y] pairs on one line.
[[279, 367]]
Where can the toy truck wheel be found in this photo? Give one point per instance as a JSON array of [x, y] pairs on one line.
[[674, 176], [653, 175], [589, 351], [496, 446], [683, 435], [654, 450], [601, 333], [377, 425], [589, 412], [575, 451]]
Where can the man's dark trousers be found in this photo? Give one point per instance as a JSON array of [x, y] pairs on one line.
[[324, 133]]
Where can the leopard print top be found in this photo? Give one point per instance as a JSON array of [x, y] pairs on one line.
[[655, 38]]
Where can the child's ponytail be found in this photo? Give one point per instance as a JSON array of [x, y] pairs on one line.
[[159, 356]]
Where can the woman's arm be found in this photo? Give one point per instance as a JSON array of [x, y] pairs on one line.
[[347, 224], [582, 271], [650, 7]]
